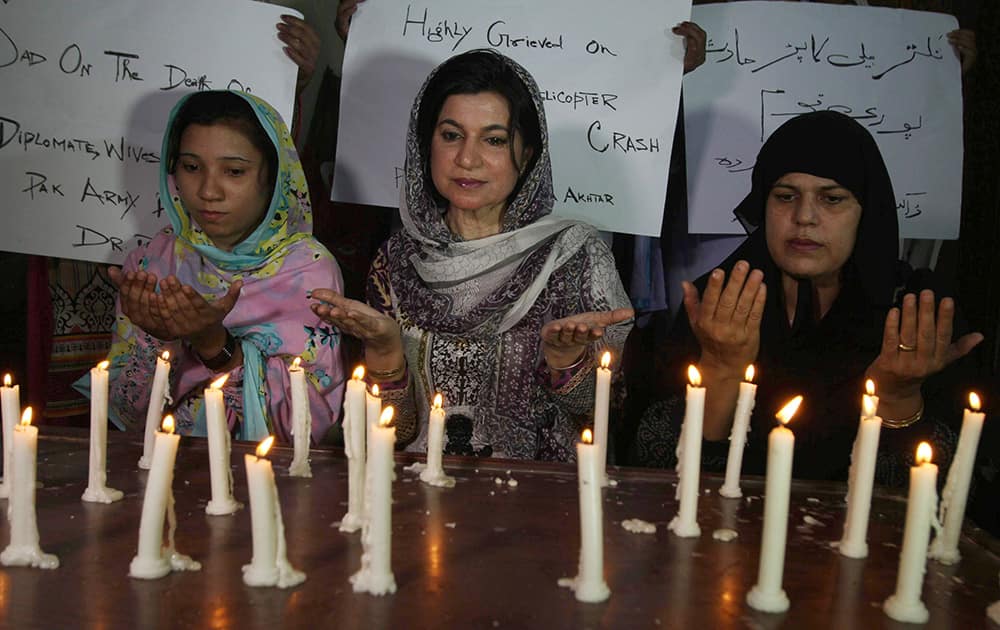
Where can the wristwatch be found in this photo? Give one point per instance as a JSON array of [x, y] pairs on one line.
[[225, 355]]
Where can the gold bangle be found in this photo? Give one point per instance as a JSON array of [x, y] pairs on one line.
[[904, 422], [388, 375], [583, 357]]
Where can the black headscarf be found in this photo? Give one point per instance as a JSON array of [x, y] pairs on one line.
[[833, 146], [822, 359]]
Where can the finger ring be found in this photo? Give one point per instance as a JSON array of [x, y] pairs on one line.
[[905, 348]]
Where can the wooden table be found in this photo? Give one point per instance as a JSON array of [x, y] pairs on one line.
[[479, 555]]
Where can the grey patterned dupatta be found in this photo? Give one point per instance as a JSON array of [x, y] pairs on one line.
[[446, 284]]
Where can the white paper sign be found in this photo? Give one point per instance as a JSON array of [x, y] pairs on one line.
[[891, 70], [609, 72], [87, 87]]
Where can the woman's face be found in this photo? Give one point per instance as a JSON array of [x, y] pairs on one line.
[[471, 162], [811, 226], [221, 179]]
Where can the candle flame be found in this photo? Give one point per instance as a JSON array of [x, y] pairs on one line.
[[265, 446], [587, 437], [26, 417], [168, 424], [166, 355], [749, 374], [786, 413], [386, 418], [6, 380], [694, 375], [870, 387], [438, 401], [219, 382], [375, 389], [606, 360], [924, 453], [359, 373], [103, 365], [869, 406], [296, 362], [974, 402]]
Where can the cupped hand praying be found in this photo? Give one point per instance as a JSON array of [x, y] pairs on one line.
[[564, 340], [379, 332], [177, 311], [916, 343], [726, 318]]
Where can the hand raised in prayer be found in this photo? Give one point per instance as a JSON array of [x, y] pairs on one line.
[[726, 319], [694, 44], [379, 332], [187, 315], [302, 45], [564, 340], [176, 312], [915, 345], [137, 296]]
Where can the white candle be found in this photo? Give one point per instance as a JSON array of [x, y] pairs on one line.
[[905, 604], [152, 559], [373, 411], [433, 473], [97, 490], [219, 448], [767, 595], [301, 421], [869, 401], [602, 398], [589, 584], [10, 407], [24, 550], [685, 524], [354, 447], [861, 478], [944, 549], [154, 413], [269, 565], [738, 436], [375, 575]]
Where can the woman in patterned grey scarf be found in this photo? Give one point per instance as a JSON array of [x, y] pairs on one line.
[[483, 296]]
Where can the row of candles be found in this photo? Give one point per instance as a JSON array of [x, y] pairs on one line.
[[369, 439], [369, 444], [767, 594]]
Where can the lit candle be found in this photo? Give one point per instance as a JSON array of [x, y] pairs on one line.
[[433, 474], [97, 491], [24, 550], [154, 413], [301, 421], [767, 595], [602, 398], [589, 584], [375, 575], [269, 566], [685, 524], [905, 605], [152, 559], [354, 448], [738, 437], [944, 549], [10, 407], [219, 446], [861, 477], [869, 401]]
